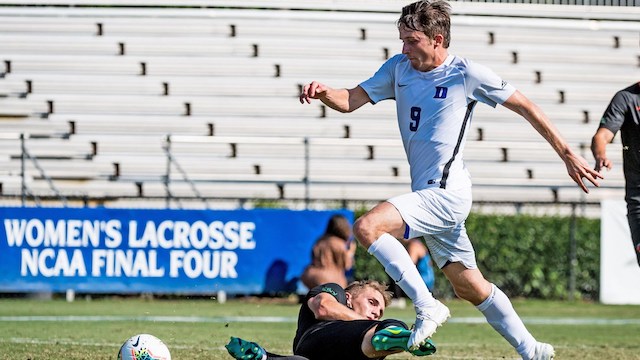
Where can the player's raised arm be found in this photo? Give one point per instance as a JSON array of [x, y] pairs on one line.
[[342, 100], [577, 166]]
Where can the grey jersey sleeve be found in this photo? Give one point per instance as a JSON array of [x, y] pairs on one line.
[[614, 115]]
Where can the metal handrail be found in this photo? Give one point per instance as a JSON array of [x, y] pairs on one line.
[[25, 190], [171, 160]]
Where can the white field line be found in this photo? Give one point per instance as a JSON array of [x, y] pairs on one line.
[[177, 319], [289, 319], [69, 342]]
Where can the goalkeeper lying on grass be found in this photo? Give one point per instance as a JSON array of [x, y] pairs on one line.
[[336, 323]]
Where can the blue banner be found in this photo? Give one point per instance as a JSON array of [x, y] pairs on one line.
[[103, 250]]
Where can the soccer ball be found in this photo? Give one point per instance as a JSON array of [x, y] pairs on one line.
[[144, 347]]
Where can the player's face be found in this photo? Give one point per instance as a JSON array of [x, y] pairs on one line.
[[419, 49], [369, 303]]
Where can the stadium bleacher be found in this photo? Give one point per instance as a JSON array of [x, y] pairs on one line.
[[99, 90]]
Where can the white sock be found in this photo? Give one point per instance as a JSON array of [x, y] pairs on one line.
[[397, 263], [503, 318]]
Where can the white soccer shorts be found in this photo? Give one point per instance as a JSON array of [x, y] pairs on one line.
[[438, 215]]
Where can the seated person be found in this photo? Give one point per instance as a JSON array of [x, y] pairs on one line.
[[348, 320], [332, 255]]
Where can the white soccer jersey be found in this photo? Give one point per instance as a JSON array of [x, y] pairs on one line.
[[434, 111]]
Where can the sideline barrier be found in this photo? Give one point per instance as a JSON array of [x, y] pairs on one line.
[[101, 250], [619, 271]]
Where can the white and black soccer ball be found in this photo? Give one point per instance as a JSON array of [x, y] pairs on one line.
[[144, 347]]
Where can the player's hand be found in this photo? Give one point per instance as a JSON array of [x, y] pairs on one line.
[[314, 90], [579, 169], [603, 163]]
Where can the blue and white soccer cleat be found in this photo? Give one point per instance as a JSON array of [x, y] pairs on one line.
[[427, 321], [543, 352]]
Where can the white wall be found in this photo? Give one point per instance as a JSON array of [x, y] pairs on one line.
[[619, 270]]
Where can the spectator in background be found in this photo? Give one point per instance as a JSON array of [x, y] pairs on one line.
[[421, 257], [623, 114], [332, 255]]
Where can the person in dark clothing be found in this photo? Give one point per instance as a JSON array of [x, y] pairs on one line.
[[348, 319], [623, 114]]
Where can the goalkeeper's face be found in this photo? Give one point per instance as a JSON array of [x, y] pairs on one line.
[[368, 302]]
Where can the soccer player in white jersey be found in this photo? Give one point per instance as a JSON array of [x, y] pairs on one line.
[[435, 95]]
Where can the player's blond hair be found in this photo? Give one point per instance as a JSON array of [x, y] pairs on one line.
[[358, 286]]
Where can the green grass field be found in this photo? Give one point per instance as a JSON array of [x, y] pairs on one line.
[[198, 329]]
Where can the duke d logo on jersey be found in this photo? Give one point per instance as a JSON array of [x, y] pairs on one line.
[[441, 92]]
